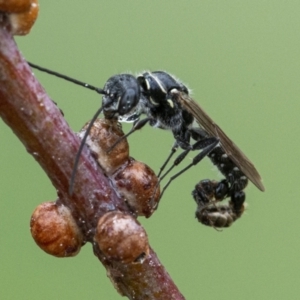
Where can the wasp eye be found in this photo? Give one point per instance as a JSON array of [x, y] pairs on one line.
[[128, 101]]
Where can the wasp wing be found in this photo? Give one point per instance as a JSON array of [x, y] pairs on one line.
[[231, 149]]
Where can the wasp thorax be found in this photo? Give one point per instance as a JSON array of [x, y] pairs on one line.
[[121, 238], [55, 231], [156, 85]]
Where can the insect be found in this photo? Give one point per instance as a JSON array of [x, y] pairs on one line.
[[126, 97], [167, 104]]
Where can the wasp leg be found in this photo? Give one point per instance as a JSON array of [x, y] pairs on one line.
[[173, 150], [183, 141], [207, 145]]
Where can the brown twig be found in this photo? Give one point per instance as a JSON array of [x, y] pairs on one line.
[[39, 124]]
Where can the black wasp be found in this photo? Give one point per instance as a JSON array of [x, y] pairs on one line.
[[167, 104]]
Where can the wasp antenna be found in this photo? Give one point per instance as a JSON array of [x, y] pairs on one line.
[[80, 149], [100, 91], [83, 84]]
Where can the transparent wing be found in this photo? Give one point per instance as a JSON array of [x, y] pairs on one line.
[[231, 149]]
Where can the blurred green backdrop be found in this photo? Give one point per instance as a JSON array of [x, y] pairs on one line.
[[241, 59]]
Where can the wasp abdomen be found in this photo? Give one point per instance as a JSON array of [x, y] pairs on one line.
[[208, 194]]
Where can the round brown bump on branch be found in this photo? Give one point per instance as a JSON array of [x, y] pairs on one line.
[[55, 231], [121, 238], [21, 20], [102, 136], [137, 183], [15, 6]]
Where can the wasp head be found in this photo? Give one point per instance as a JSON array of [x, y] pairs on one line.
[[122, 94]]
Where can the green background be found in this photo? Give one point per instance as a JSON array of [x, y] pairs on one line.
[[241, 59]]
